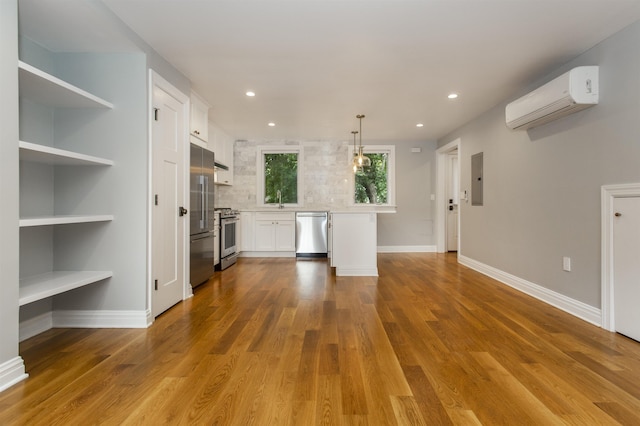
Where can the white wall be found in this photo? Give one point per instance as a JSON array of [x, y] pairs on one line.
[[542, 187], [326, 183]]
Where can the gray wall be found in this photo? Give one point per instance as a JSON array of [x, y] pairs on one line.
[[8, 188], [326, 173], [412, 224], [542, 187], [119, 134]]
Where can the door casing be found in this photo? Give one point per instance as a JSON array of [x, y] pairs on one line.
[[155, 80], [442, 156]]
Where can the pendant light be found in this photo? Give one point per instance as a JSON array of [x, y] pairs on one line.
[[363, 161], [354, 161]]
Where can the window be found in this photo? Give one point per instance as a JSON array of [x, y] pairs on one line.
[[279, 175], [376, 184]]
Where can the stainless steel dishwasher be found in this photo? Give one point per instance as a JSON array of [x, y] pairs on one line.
[[311, 234]]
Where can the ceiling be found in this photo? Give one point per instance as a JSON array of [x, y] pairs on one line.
[[315, 64]]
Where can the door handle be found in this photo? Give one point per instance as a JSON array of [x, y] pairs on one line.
[[182, 211]]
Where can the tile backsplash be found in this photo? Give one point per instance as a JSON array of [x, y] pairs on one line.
[[327, 175]]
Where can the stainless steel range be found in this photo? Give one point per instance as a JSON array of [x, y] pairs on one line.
[[228, 237]]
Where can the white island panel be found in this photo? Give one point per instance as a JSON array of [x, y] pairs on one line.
[[354, 244]]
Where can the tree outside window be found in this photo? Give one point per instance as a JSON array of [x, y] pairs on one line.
[[372, 183], [280, 174]]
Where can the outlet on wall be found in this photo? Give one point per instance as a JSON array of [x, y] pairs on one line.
[[566, 264]]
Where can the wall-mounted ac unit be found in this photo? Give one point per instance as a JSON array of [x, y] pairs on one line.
[[572, 91]]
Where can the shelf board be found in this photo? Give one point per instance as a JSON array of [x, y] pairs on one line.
[[59, 157], [49, 90], [63, 220], [46, 285]]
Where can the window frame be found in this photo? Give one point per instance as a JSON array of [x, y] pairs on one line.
[[390, 150], [283, 149]]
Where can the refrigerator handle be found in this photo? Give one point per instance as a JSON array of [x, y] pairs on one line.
[[205, 195], [202, 202]]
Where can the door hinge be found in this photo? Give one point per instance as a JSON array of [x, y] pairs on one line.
[[156, 199], [155, 284], [155, 114]]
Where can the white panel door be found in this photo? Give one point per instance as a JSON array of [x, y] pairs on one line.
[[626, 266], [285, 235], [168, 130], [265, 235]]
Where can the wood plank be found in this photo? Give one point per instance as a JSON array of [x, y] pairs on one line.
[[280, 342]]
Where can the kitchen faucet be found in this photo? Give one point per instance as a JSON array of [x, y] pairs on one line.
[[279, 195]]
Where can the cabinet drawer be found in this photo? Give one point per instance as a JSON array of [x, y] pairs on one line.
[[276, 216]]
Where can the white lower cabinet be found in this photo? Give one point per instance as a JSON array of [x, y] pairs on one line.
[[275, 231]]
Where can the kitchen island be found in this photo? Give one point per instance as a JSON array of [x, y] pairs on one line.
[[354, 242], [352, 237]]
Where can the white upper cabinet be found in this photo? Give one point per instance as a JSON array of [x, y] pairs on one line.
[[223, 149], [199, 120]]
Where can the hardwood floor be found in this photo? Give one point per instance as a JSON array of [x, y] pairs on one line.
[[279, 342]]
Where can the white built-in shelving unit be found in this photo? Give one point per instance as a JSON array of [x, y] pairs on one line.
[[58, 157], [50, 91], [46, 285]]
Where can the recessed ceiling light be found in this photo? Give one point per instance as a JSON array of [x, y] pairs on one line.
[[452, 95], [419, 125], [272, 124], [250, 94]]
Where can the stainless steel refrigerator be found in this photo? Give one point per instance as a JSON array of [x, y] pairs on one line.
[[202, 215]]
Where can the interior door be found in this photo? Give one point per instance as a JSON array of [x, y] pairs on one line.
[[168, 222], [453, 191], [626, 266]]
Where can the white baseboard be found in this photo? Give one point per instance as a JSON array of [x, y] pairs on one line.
[[560, 301], [102, 319], [35, 325], [12, 372], [342, 271], [406, 249], [84, 319]]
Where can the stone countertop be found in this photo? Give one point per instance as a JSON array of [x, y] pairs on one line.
[[363, 209]]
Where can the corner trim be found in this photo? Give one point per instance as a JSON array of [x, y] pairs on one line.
[[574, 307], [406, 249], [102, 319], [12, 372]]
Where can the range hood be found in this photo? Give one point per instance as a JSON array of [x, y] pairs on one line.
[[220, 166]]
